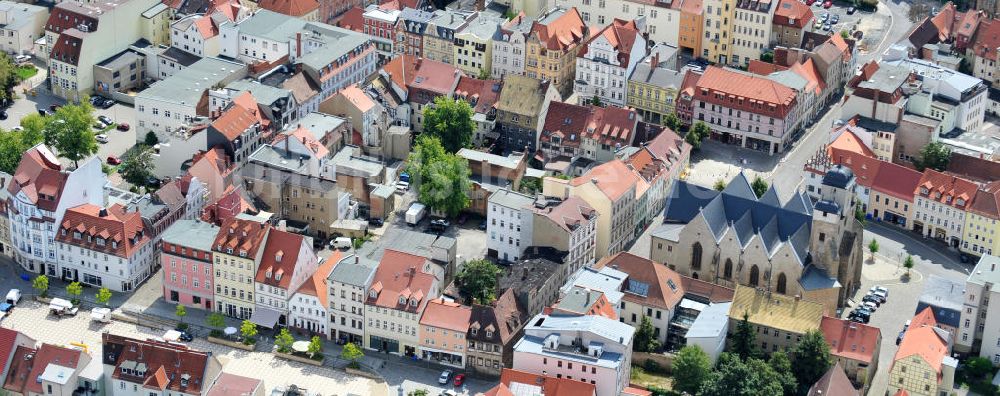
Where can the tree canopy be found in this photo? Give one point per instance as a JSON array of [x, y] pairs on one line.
[[8, 77], [137, 166], [782, 367], [759, 186], [450, 120], [672, 122], [645, 338], [752, 377], [13, 144], [69, 131], [443, 179], [478, 281], [745, 339], [935, 156], [691, 367], [811, 358]]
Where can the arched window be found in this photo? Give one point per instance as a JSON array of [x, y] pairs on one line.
[[754, 275], [727, 271], [781, 283], [696, 256]]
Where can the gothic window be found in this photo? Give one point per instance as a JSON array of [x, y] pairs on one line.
[[696, 256], [781, 283], [754, 275]]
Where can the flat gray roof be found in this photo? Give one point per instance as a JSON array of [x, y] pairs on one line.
[[189, 84], [511, 199], [195, 234], [19, 14]]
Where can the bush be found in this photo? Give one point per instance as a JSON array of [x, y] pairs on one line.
[[216, 333], [182, 326], [652, 366]]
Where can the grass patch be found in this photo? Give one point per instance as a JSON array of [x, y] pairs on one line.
[[648, 380], [26, 72]]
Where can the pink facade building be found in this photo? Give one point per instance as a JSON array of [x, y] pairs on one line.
[[186, 257]]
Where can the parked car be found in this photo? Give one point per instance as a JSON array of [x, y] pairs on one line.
[[439, 225], [112, 160], [827, 4], [871, 306], [13, 296], [61, 307], [107, 103], [375, 222], [152, 181], [835, 19], [482, 225], [105, 120], [102, 138], [22, 59], [340, 243], [185, 336], [3, 114], [881, 294], [873, 299], [98, 126], [899, 338], [850, 10], [824, 17], [42, 112], [448, 392], [123, 127], [827, 27], [445, 376], [459, 379], [879, 288]]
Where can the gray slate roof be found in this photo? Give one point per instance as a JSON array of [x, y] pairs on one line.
[[191, 233], [737, 209], [353, 270]]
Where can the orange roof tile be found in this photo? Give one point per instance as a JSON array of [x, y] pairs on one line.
[[848, 140], [763, 68], [243, 237], [924, 342], [850, 340], [758, 95], [316, 285], [896, 180], [39, 176], [987, 39], [657, 276], [240, 116], [189, 366], [621, 35], [295, 8], [112, 230], [946, 189], [446, 315], [353, 19], [563, 33], [551, 386], [792, 13], [358, 98], [613, 178], [278, 262], [401, 275]]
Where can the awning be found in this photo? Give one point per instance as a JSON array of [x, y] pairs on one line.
[[265, 317]]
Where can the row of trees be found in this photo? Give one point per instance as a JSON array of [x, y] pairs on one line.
[[73, 289], [744, 370]]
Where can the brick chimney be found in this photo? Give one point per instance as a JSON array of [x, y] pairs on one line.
[[298, 44], [656, 60]]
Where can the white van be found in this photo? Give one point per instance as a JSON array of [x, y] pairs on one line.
[[340, 243], [13, 297]]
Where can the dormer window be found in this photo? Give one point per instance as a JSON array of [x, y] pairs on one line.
[[489, 334], [373, 294], [267, 274], [77, 235], [100, 242], [63, 232], [114, 244], [243, 253], [402, 300], [277, 276], [413, 302], [229, 250], [960, 202], [923, 190], [475, 331]]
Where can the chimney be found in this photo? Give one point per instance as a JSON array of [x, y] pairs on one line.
[[655, 61], [298, 44], [103, 212], [288, 151], [524, 273]]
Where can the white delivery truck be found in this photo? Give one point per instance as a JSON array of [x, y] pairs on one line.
[[60, 307], [415, 213]]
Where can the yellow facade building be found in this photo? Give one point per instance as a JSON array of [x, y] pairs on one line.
[[552, 47], [237, 250], [982, 222]]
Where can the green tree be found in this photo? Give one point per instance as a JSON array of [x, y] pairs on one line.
[[719, 185], [151, 139], [418, 392], [759, 186], [753, 377], [8, 78], [180, 311], [443, 182], [693, 139], [484, 74], [935, 156], [450, 120], [908, 264], [690, 368], [41, 285], [767, 57], [782, 367], [13, 144], [137, 166], [672, 122], [811, 358], [873, 248], [315, 346], [478, 281], [978, 367], [701, 129], [249, 332], [284, 341], [33, 126], [103, 296], [644, 339], [215, 320], [69, 131], [595, 101], [745, 339], [845, 35], [352, 353], [74, 290]]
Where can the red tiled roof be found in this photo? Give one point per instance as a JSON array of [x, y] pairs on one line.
[[987, 39], [563, 33], [864, 168], [850, 340], [316, 285], [621, 35], [240, 116], [401, 275], [113, 230], [281, 254], [8, 343], [834, 382], [353, 19], [987, 201], [411, 72], [896, 180], [304, 136], [848, 140], [446, 315], [170, 364], [763, 68], [70, 16], [924, 318], [944, 20], [206, 26], [39, 176], [29, 364], [976, 169], [68, 46], [707, 290], [792, 13], [613, 178], [229, 384], [568, 214], [812, 75], [951, 189], [647, 271], [902, 392], [572, 123], [922, 340], [551, 386], [482, 95], [743, 91], [295, 8], [244, 237], [503, 317]]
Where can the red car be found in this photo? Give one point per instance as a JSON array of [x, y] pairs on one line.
[[122, 127], [459, 379], [112, 160], [827, 4], [810, 2]]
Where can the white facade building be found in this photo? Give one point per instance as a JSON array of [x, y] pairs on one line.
[[509, 222], [348, 283], [22, 24], [607, 61], [197, 34], [40, 193], [661, 21], [509, 47], [104, 247], [751, 30], [980, 321], [590, 348], [288, 262]]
